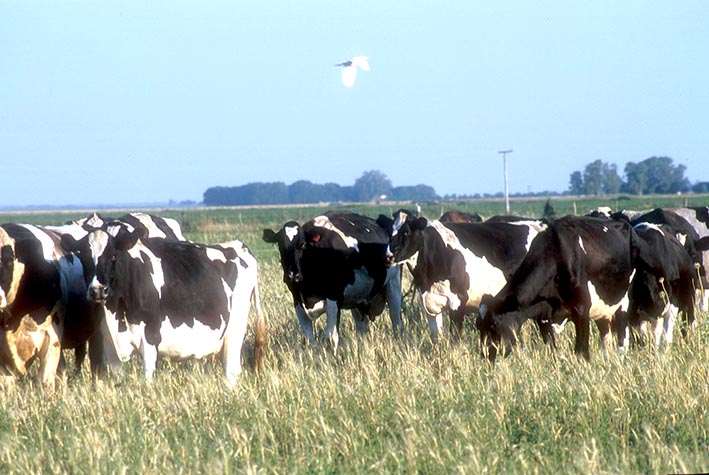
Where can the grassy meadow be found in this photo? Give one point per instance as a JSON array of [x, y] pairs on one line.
[[380, 405]]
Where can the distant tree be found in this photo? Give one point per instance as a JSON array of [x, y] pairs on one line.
[[701, 187], [593, 178], [655, 175], [371, 185], [416, 192], [576, 183], [612, 181]]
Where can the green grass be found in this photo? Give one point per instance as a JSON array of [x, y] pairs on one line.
[[378, 406]]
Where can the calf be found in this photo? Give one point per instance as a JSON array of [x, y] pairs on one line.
[[455, 264], [169, 298], [579, 266], [338, 261]]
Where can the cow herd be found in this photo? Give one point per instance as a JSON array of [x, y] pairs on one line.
[[134, 284]]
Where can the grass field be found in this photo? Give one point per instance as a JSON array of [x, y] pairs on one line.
[[380, 405]]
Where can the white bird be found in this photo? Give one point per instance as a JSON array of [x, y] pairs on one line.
[[349, 69]]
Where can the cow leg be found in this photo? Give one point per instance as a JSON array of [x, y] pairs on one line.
[[604, 329], [150, 359], [49, 356], [236, 333], [581, 319], [97, 359], [456, 323], [79, 356], [333, 322], [361, 322], [393, 295], [669, 325], [435, 325], [306, 324]]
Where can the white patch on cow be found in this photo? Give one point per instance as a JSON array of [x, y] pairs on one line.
[[559, 327], [3, 299], [398, 223], [49, 248], [439, 297], [291, 232], [582, 246], [157, 276], [147, 221], [533, 228], [315, 311], [196, 340], [18, 270], [484, 277], [601, 309], [215, 254], [325, 223]]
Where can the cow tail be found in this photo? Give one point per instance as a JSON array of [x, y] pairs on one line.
[[260, 332]]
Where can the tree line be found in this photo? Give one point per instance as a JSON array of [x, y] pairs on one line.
[[654, 175], [373, 185]]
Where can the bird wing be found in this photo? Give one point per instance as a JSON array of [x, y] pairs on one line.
[[349, 75], [362, 62]]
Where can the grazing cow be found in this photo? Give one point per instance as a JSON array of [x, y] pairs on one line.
[[690, 227], [580, 267], [153, 226], [663, 284], [338, 261], [172, 298], [455, 216], [43, 305], [454, 264]]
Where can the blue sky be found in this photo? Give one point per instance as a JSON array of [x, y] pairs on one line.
[[120, 102]]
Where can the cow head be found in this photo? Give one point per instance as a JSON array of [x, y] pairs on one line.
[[498, 330], [406, 237], [291, 244]]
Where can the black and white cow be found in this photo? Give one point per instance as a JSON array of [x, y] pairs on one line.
[[338, 261], [172, 298], [153, 226], [43, 304], [663, 285], [455, 216], [454, 264], [689, 226], [580, 267]]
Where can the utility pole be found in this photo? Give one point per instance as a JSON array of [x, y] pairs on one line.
[[507, 192]]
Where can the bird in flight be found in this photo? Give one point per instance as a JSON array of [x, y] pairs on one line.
[[349, 69]]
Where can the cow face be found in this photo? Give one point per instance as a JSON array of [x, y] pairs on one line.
[[89, 249], [406, 238], [291, 244], [112, 262]]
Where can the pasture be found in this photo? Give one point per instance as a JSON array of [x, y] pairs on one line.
[[380, 405]]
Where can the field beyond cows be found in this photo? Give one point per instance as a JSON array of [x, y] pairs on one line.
[[380, 405]]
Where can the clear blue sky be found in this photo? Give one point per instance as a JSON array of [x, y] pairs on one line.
[[107, 102]]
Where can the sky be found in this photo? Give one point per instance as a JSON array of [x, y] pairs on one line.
[[127, 102]]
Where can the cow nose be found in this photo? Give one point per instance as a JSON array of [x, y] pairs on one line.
[[298, 277], [390, 259], [98, 292]]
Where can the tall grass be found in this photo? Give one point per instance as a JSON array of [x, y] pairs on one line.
[[381, 405]]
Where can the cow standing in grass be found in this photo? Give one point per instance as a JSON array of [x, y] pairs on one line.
[[338, 261], [454, 264], [172, 299]]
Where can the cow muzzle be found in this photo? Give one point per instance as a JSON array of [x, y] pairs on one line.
[[98, 293], [295, 277]]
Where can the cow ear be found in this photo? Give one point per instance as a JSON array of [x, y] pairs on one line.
[[125, 240], [702, 244], [385, 221], [421, 223], [269, 235], [69, 243]]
